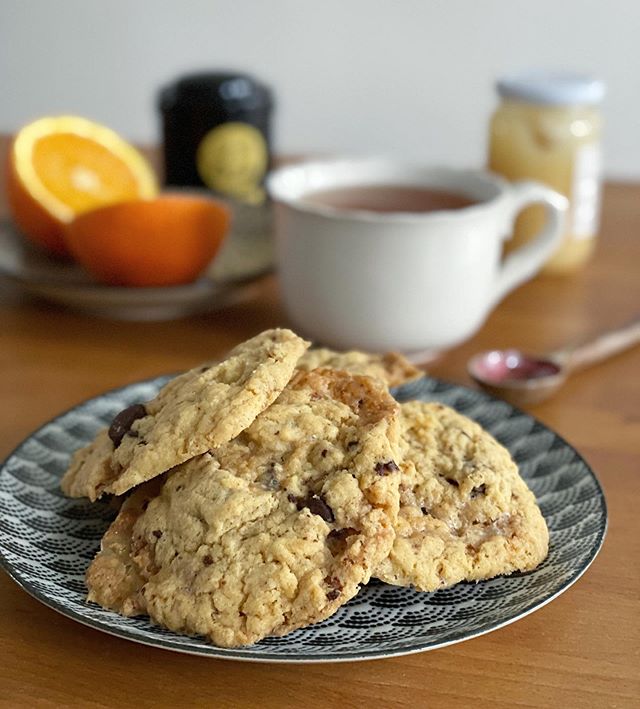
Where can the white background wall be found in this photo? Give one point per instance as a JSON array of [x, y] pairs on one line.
[[412, 78]]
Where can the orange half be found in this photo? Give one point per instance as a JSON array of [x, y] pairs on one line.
[[61, 167], [165, 241]]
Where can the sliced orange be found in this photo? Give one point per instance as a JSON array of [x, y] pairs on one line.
[[165, 241], [60, 167]]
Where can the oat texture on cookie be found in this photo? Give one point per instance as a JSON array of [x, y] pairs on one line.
[[197, 411], [273, 530], [465, 512]]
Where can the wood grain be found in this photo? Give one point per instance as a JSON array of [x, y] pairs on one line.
[[582, 650]]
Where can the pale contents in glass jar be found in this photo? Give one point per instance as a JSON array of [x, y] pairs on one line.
[[558, 145]]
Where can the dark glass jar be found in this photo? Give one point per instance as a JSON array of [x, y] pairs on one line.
[[216, 129]]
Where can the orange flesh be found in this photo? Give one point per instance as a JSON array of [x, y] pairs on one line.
[[81, 173]]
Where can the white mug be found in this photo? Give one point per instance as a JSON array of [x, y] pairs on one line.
[[418, 282]]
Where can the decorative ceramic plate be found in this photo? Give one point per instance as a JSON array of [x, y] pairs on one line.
[[246, 255], [47, 542]]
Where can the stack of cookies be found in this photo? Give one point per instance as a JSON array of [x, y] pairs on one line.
[[262, 492]]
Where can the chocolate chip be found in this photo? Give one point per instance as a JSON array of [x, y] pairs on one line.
[[386, 468], [207, 560], [341, 533], [335, 587], [453, 482], [352, 444], [122, 423], [157, 533], [478, 490], [425, 511], [319, 507], [315, 504], [336, 539], [323, 453]]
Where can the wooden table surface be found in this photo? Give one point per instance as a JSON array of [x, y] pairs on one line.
[[581, 650]]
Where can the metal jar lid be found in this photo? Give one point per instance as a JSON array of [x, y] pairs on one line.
[[235, 93], [552, 88]]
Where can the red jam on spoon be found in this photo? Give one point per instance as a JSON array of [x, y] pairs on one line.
[[501, 366]]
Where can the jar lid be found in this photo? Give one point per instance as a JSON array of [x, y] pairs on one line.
[[238, 92], [552, 88]]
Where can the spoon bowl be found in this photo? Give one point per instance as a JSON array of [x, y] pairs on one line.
[[515, 376]]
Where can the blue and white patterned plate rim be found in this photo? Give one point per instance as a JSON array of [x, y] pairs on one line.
[[164, 639]]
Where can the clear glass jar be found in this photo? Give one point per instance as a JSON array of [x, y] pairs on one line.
[[548, 128]]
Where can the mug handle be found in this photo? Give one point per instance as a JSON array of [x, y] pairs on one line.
[[525, 262]]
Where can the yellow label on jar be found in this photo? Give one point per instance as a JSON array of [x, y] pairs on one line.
[[232, 159]]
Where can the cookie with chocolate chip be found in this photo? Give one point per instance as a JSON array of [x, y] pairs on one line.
[[391, 368], [465, 512], [195, 412], [271, 531], [114, 582]]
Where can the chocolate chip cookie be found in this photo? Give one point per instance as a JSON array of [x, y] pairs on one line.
[[271, 531], [465, 512], [195, 412], [392, 368]]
